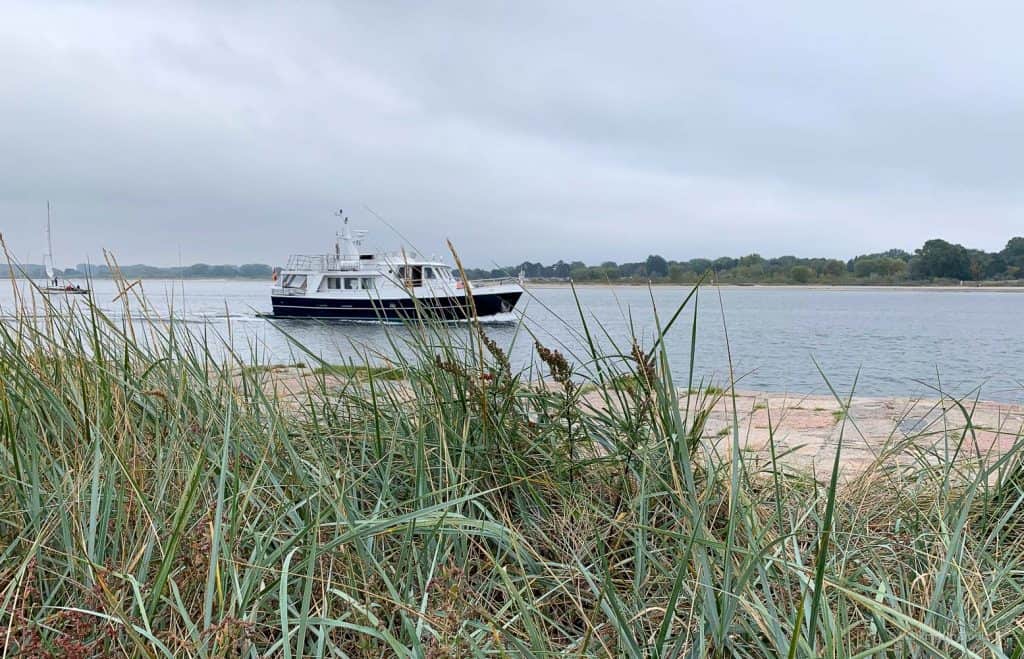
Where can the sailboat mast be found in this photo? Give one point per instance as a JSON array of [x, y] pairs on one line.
[[49, 244]]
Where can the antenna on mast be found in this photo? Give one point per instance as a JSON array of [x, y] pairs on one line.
[[347, 246]]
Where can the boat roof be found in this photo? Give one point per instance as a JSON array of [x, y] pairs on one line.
[[349, 256], [330, 263]]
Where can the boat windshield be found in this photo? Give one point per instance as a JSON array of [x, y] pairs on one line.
[[294, 281], [411, 275]]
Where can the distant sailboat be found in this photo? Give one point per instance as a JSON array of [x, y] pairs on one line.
[[53, 285]]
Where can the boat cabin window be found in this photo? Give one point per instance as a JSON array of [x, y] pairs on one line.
[[294, 281], [411, 275], [428, 273], [346, 283]]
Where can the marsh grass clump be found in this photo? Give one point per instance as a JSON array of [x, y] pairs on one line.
[[708, 390], [159, 499], [360, 371]]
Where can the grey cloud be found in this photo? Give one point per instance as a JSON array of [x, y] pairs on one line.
[[584, 130]]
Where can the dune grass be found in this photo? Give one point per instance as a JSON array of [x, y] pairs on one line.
[[156, 500]]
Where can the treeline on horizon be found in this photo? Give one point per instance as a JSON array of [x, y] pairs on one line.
[[936, 260], [139, 271]]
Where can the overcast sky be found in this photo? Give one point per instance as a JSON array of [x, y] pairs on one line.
[[590, 130]]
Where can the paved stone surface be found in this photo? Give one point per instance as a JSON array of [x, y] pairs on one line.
[[808, 430]]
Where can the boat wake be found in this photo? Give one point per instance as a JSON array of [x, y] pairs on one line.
[[496, 320]]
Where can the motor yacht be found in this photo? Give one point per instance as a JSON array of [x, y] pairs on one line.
[[354, 283]]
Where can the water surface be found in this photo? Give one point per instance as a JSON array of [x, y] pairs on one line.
[[902, 342]]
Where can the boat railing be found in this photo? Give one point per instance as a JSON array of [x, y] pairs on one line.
[[280, 290], [495, 281], [320, 263], [399, 257]]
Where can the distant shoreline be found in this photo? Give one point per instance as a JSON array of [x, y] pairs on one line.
[[133, 278], [541, 283], [1007, 288]]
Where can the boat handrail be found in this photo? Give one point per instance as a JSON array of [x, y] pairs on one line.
[[398, 257], [495, 281], [332, 263], [320, 263]]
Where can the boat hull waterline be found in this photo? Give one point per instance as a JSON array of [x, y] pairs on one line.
[[408, 308]]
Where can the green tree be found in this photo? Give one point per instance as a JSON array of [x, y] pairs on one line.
[[877, 266], [834, 268], [254, 270], [865, 266], [580, 273], [801, 274], [656, 266], [896, 267], [677, 273], [1013, 254], [631, 269], [724, 263], [561, 270], [699, 266], [996, 267], [979, 263], [940, 259]]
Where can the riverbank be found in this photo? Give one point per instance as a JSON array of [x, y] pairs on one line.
[[802, 431], [1016, 287]]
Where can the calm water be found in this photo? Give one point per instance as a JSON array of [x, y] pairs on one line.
[[902, 341]]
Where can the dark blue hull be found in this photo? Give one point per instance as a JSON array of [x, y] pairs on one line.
[[447, 308]]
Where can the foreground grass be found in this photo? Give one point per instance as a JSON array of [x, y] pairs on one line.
[[155, 501]]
